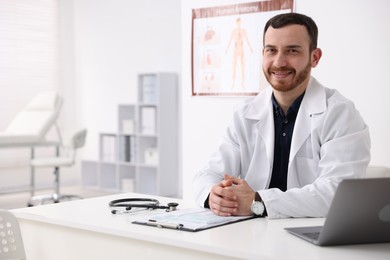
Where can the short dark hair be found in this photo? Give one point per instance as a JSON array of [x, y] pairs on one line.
[[282, 20]]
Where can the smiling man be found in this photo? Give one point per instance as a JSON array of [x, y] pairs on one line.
[[288, 148]]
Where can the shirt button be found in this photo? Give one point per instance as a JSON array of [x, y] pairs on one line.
[[286, 121], [284, 134]]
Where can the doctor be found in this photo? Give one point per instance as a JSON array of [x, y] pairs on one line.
[[288, 148]]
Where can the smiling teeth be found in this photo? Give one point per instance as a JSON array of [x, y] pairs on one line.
[[281, 73]]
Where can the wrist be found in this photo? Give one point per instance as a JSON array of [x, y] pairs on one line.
[[257, 197], [258, 206]]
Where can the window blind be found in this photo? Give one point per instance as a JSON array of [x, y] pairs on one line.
[[29, 60], [29, 52]]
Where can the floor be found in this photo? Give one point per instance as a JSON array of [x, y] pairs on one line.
[[20, 199]]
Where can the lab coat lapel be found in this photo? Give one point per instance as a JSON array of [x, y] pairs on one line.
[[265, 125], [314, 102], [266, 130]]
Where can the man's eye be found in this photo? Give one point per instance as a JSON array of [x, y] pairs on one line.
[[270, 51]]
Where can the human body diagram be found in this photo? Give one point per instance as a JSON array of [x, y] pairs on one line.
[[238, 38]]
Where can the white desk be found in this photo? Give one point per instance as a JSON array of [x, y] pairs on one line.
[[86, 229]]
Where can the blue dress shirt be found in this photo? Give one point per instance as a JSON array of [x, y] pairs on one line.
[[284, 127]]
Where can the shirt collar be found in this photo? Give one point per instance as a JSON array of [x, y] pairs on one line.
[[292, 110]]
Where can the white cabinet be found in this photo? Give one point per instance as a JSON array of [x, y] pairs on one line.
[[143, 155]]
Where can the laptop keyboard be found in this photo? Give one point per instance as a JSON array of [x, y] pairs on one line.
[[313, 235]]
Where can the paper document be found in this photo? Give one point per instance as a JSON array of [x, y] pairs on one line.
[[194, 219]]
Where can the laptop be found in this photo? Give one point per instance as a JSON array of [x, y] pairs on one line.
[[359, 213]]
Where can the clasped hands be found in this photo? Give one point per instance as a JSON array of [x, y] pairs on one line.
[[231, 197]]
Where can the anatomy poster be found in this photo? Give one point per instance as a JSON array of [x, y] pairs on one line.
[[226, 47]]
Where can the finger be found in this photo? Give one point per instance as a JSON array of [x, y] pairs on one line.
[[227, 180], [221, 197], [226, 183], [222, 204], [222, 214], [232, 179], [227, 176], [217, 189], [228, 193], [220, 210], [236, 180]]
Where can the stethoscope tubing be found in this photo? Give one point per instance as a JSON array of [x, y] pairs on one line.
[[129, 203]]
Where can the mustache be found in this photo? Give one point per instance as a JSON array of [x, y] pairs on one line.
[[281, 69]]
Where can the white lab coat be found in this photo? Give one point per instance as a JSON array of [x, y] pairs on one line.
[[330, 142]]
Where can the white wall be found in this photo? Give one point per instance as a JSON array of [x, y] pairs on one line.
[[104, 45], [113, 42], [354, 38]]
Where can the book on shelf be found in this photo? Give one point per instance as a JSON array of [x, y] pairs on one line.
[[124, 148], [148, 119], [128, 126], [149, 89], [127, 149], [133, 149], [108, 148]]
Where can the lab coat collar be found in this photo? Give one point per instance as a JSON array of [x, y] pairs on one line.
[[314, 101], [260, 108], [259, 105]]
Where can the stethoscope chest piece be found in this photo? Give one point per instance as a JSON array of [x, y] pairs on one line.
[[172, 206]]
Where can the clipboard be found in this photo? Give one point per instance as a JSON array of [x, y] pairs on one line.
[[192, 219]]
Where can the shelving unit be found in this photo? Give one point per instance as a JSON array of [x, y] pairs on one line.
[[142, 155]]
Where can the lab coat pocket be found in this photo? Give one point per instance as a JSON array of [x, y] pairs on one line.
[[307, 170]]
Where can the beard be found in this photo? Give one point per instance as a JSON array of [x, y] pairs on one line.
[[284, 85]]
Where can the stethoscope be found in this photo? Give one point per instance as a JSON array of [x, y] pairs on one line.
[[141, 203]]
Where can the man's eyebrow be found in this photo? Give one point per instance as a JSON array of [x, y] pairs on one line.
[[294, 46], [269, 46]]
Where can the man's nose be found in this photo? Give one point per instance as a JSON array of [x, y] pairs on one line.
[[280, 60]]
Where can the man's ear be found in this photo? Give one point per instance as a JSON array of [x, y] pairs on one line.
[[315, 57]]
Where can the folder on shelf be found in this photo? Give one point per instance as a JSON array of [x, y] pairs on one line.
[[192, 219]]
